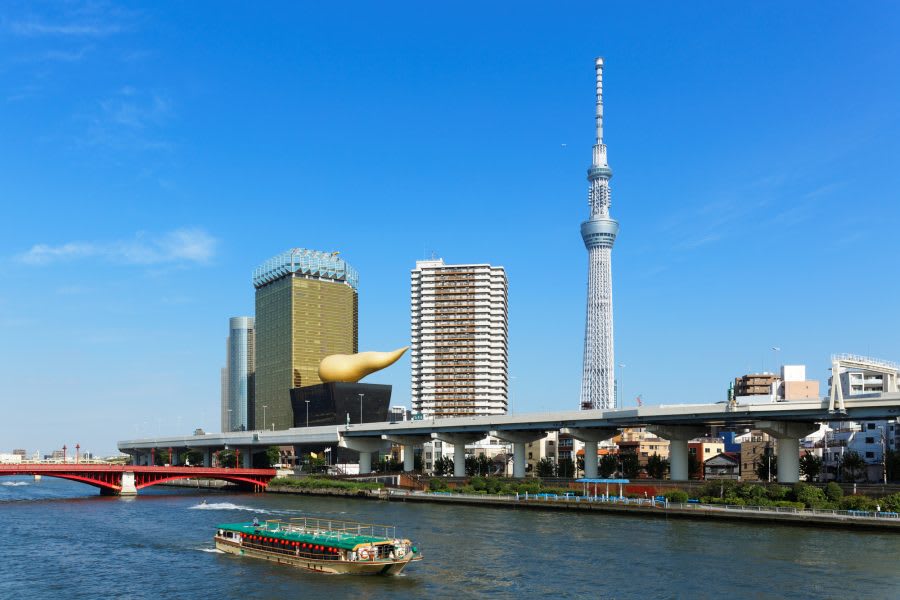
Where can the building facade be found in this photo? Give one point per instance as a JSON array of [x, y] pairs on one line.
[[306, 309], [599, 234], [237, 376], [459, 340]]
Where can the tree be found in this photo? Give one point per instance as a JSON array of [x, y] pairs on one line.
[[227, 459], [810, 466], [892, 465], [608, 465], [565, 468], [273, 455], [766, 467], [484, 465], [657, 466], [579, 466], [631, 466], [387, 464], [192, 457], [443, 466], [546, 468], [695, 468], [833, 492], [853, 465]]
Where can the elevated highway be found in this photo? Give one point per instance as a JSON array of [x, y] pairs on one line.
[[787, 421]]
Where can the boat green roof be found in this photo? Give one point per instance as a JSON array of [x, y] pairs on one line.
[[334, 539]]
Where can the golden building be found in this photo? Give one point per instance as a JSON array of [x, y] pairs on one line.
[[306, 309]]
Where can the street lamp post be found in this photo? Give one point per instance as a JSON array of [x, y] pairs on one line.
[[360, 407], [307, 413]]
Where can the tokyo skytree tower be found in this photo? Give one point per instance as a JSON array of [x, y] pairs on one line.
[[599, 234]]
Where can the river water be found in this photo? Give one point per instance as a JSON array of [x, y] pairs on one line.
[[60, 539]]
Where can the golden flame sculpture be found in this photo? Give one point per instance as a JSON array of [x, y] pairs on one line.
[[350, 368]]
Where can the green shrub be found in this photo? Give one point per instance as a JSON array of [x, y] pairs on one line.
[[834, 492], [676, 496], [322, 483], [809, 495], [890, 503], [777, 493], [437, 485], [788, 504], [857, 502]]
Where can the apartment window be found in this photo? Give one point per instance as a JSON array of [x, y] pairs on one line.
[[706, 450], [870, 455], [870, 440], [870, 425]]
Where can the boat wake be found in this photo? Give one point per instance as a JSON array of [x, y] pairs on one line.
[[212, 550], [228, 506], [15, 483]]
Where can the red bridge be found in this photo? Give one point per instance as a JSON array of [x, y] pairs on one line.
[[127, 479]]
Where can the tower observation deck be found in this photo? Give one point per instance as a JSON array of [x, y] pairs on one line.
[[599, 234]]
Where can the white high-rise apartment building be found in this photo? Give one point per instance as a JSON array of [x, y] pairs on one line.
[[460, 353]]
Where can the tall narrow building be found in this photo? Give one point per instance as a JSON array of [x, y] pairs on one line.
[[459, 357], [599, 234], [306, 309], [237, 385]]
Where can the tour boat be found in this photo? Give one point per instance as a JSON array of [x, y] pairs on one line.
[[319, 544]]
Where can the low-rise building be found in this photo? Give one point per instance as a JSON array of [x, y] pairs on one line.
[[726, 465], [756, 446], [702, 450]]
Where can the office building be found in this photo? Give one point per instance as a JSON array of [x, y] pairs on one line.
[[459, 346], [237, 376], [306, 309]]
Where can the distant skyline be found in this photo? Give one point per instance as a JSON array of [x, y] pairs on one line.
[[154, 155]]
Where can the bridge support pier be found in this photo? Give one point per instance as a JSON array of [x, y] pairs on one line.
[[788, 434], [128, 488], [519, 439], [459, 441], [365, 447], [678, 436], [408, 443], [591, 437], [247, 457], [207, 458]]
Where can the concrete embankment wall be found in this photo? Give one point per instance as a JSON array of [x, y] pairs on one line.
[[625, 510]]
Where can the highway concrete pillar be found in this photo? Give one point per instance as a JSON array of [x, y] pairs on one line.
[[591, 437], [207, 458], [519, 439], [365, 462], [590, 459], [408, 443], [678, 436], [459, 441], [365, 446], [247, 458], [409, 459], [787, 434]]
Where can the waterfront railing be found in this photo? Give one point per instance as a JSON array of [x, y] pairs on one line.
[[662, 503]]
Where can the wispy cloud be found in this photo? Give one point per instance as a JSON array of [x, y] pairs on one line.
[[34, 28], [180, 246], [129, 119]]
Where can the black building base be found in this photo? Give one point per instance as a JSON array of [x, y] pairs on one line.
[[331, 403]]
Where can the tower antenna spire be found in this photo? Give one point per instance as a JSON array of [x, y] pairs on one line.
[[599, 68]]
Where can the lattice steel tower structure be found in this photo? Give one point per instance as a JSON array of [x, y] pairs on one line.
[[599, 234]]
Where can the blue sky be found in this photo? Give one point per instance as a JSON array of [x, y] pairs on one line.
[[154, 153]]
